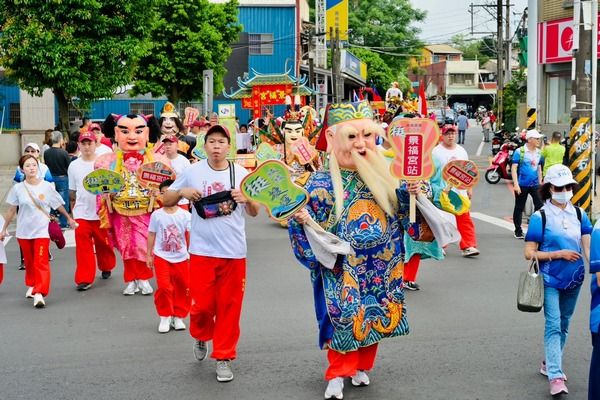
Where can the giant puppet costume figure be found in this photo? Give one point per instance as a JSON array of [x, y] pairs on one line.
[[361, 300], [299, 154], [170, 124], [128, 223]]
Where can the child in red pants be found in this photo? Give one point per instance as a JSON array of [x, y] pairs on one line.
[[168, 255]]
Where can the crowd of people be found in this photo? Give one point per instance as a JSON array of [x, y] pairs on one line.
[[198, 255]]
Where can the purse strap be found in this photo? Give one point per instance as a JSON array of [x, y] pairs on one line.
[[35, 203], [231, 174], [535, 265]]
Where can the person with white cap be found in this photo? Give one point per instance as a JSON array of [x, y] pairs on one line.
[[43, 171], [558, 236], [526, 174]]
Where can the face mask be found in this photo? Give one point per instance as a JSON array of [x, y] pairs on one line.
[[562, 197]]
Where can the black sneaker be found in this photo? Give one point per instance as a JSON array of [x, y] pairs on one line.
[[22, 266], [106, 274], [408, 285], [519, 235], [83, 286]]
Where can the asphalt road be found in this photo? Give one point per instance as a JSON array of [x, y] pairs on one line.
[[468, 340]]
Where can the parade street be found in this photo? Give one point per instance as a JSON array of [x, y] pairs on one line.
[[467, 340]]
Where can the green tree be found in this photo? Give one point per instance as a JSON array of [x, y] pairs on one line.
[[377, 70], [472, 49], [514, 93], [81, 49], [188, 36], [385, 26]]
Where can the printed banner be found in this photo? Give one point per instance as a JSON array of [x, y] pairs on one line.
[[103, 181], [151, 175], [462, 174]]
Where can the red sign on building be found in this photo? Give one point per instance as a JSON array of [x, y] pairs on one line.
[[555, 41]]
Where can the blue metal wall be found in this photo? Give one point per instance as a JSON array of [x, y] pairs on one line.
[[8, 94]]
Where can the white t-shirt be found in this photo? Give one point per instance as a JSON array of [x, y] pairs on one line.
[[102, 149], [223, 237], [242, 140], [444, 156], [170, 234], [85, 202], [32, 223], [2, 251], [180, 164]]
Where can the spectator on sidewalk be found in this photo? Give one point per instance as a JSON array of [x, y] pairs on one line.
[[463, 125], [57, 159], [526, 174], [558, 236], [553, 153]]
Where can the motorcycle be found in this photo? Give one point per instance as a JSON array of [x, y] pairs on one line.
[[501, 163], [499, 138]]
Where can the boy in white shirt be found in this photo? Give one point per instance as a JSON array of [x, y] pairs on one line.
[[168, 255], [89, 235]]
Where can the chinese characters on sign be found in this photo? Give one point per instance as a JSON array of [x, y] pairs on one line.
[[412, 141], [413, 154], [462, 174], [151, 175]]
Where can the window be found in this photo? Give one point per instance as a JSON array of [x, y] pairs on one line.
[[461, 79], [558, 99], [260, 43], [141, 108], [74, 114], [14, 114], [436, 59]]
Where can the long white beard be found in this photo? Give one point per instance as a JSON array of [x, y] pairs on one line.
[[374, 171]]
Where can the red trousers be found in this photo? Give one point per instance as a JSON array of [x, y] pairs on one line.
[[466, 228], [37, 265], [217, 286], [346, 364], [135, 269], [1, 273], [172, 295], [87, 236], [411, 268]]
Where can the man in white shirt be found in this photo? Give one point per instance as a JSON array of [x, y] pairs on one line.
[[394, 92], [89, 235], [217, 251], [443, 153]]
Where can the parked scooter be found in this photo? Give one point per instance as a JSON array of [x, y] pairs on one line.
[[500, 137], [500, 168]]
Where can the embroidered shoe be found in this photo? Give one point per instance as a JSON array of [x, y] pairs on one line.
[[557, 386], [335, 389], [360, 378], [224, 372]]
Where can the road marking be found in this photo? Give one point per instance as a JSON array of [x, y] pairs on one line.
[[480, 148], [493, 220]]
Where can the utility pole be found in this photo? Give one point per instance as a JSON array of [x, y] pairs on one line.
[[580, 140], [508, 43], [333, 40], [500, 46], [533, 67]]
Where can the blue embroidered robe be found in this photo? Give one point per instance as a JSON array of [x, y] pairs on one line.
[[361, 300]]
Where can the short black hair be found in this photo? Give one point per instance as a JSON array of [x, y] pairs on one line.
[[71, 147], [165, 184]]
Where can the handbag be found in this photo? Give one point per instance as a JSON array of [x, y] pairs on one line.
[[218, 204], [54, 230], [441, 223], [530, 295]]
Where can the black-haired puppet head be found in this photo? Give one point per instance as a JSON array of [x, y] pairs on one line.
[[131, 132]]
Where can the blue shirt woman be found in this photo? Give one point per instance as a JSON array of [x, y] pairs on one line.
[[558, 236]]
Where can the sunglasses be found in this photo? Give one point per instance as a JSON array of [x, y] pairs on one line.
[[562, 188]]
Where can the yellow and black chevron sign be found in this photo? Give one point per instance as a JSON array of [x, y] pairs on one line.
[[580, 161], [531, 118]]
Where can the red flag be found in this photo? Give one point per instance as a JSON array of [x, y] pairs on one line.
[[422, 100]]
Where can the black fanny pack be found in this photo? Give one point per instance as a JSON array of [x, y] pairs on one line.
[[218, 204]]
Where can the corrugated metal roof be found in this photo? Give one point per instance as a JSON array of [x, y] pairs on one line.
[[469, 91], [442, 49]]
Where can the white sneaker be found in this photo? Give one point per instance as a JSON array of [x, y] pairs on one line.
[[165, 325], [145, 287], [29, 294], [38, 301], [360, 379], [470, 252], [131, 289], [335, 389], [178, 324]]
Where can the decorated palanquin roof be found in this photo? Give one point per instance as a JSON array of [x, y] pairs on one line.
[[258, 79]]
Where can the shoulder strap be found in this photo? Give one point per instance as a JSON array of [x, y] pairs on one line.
[[543, 214], [35, 203], [231, 174], [578, 210]]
